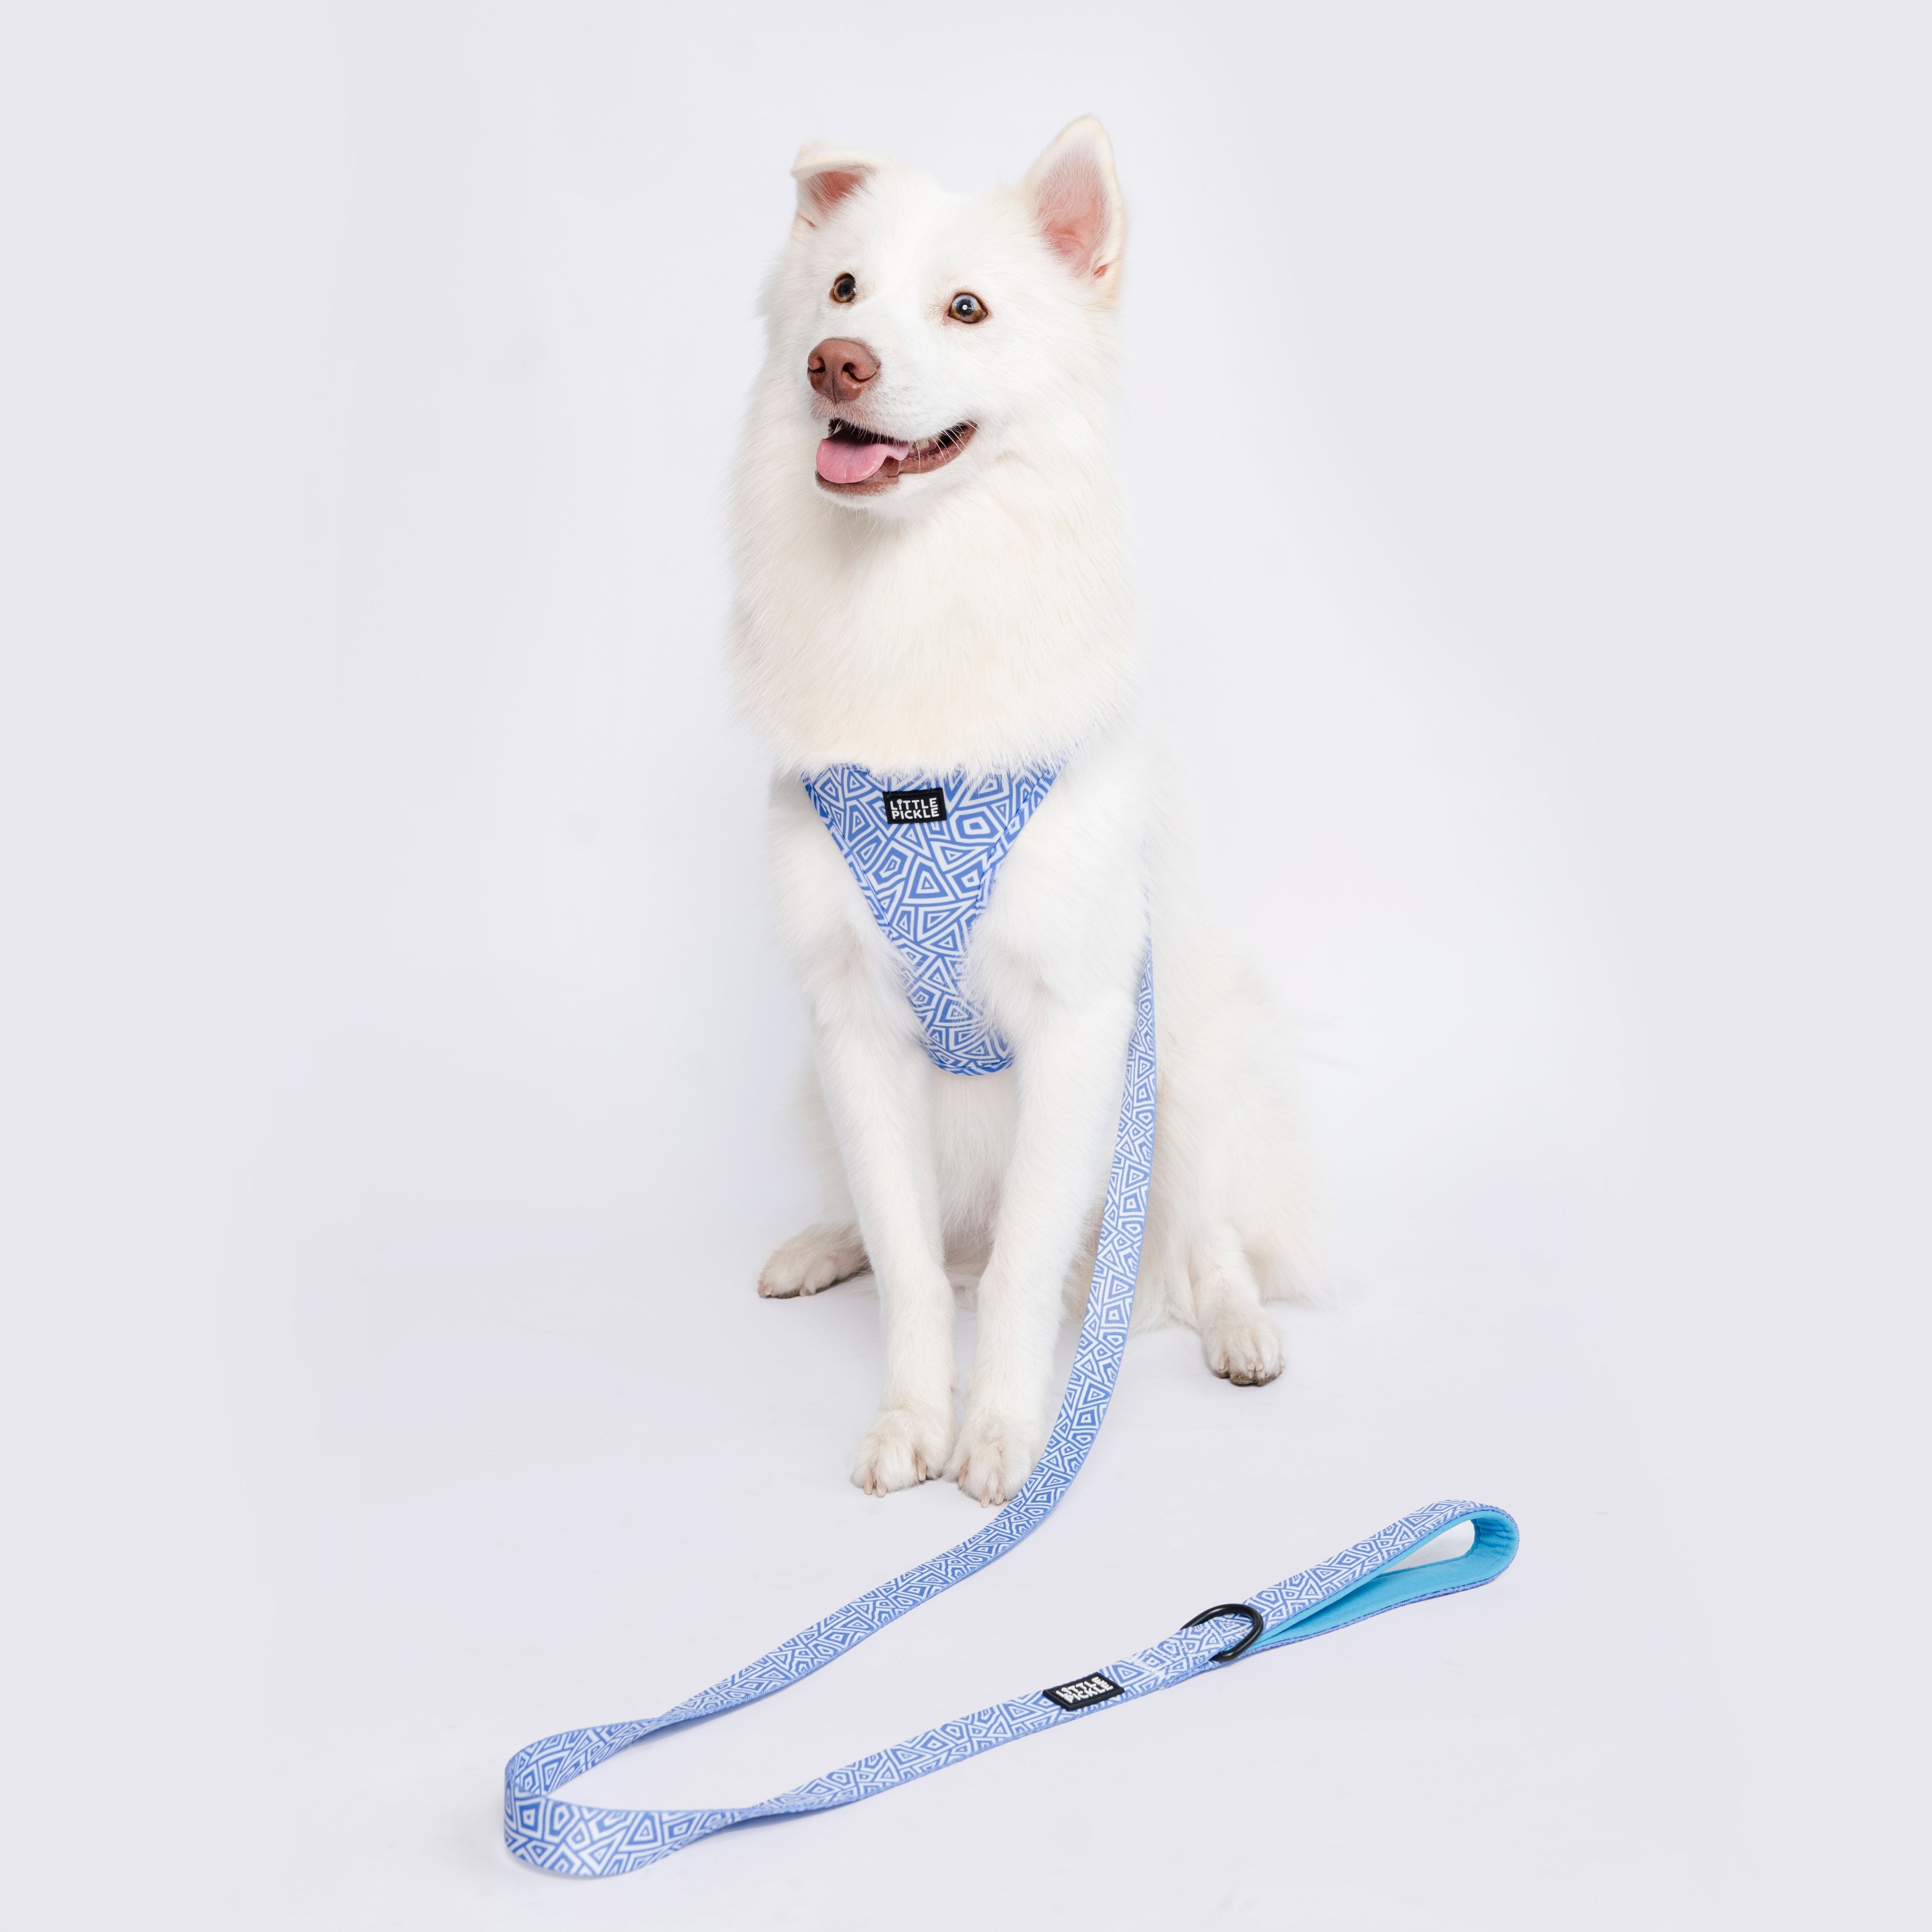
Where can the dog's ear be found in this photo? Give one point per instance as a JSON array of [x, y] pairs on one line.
[[826, 175], [1077, 203]]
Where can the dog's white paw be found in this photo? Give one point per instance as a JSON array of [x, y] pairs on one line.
[[815, 1259], [993, 1457], [1244, 1348], [901, 1450]]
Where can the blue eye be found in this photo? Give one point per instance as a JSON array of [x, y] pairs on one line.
[[965, 307]]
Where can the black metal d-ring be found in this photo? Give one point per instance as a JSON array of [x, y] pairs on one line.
[[1257, 1622]]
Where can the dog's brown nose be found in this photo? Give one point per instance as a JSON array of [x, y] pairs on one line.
[[839, 368]]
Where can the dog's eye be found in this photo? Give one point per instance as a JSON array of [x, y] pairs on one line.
[[844, 288], [965, 307]]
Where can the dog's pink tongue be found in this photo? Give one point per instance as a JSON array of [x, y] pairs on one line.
[[840, 462]]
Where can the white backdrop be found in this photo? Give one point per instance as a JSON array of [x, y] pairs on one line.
[[1527, 438]]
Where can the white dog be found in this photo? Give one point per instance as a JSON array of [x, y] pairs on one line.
[[933, 576]]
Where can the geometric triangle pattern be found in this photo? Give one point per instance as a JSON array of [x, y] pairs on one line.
[[927, 883], [597, 1841]]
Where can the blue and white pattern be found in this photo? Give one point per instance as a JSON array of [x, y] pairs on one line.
[[927, 885], [595, 1841], [588, 1842]]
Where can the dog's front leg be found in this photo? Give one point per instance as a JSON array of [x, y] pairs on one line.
[[877, 1089], [1069, 1088]]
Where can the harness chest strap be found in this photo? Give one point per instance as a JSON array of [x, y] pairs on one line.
[[925, 856], [950, 878]]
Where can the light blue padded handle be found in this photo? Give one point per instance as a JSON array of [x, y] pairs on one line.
[[1319, 1600]]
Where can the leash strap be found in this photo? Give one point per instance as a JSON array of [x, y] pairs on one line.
[[595, 1841], [590, 1841]]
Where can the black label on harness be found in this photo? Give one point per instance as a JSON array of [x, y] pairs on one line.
[[914, 807], [1082, 1692]]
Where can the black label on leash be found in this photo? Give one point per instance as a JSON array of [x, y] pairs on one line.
[[1082, 1692], [914, 807]]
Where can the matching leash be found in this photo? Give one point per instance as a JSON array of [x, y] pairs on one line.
[[595, 1841]]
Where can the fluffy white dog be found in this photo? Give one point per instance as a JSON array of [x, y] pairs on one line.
[[933, 576]]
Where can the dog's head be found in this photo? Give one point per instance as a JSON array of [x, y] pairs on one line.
[[917, 336]]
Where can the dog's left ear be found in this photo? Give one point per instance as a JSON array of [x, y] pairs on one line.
[[1077, 203], [826, 175]]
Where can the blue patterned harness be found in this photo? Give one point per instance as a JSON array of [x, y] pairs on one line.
[[927, 880], [926, 864]]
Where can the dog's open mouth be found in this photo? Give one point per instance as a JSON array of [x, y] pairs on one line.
[[857, 461]]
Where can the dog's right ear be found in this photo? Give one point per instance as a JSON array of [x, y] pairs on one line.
[[1077, 202], [826, 175]]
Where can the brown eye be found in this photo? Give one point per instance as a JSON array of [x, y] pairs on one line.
[[965, 307], [844, 288]]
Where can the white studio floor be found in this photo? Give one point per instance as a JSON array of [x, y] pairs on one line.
[[1525, 421]]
